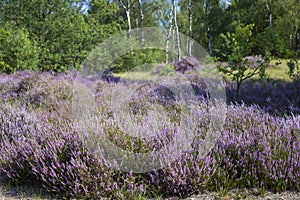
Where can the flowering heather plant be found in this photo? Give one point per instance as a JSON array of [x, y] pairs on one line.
[[258, 150], [255, 149], [37, 90], [54, 156], [19, 138], [187, 64], [277, 98]]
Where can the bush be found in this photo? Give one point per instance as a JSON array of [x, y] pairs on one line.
[[35, 90], [276, 98], [187, 64], [258, 150], [52, 154], [17, 52], [294, 69], [240, 69], [255, 149]]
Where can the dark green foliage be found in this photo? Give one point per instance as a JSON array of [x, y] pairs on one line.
[[136, 59], [17, 52], [269, 42], [61, 31], [294, 69]]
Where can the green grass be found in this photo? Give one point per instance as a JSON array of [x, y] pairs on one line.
[[139, 75], [277, 71]]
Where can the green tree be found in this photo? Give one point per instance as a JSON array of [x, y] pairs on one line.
[[236, 50], [239, 43], [63, 31], [103, 20], [17, 52], [203, 16], [288, 25]]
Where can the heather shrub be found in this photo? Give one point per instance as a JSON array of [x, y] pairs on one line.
[[18, 132], [43, 145], [187, 64], [38, 91], [257, 150], [188, 175], [53, 155], [277, 98]]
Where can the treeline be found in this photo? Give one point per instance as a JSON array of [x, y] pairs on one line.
[[58, 34]]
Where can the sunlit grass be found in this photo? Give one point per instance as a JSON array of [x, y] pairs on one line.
[[278, 70], [138, 75], [143, 75]]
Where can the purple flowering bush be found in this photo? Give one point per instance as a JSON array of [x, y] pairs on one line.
[[187, 64], [279, 98], [37, 90], [34, 150], [40, 143], [258, 150]]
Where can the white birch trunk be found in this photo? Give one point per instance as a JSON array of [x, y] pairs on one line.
[[142, 22], [127, 10], [190, 28], [176, 29]]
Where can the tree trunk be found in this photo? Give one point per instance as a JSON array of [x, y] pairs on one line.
[[291, 41], [190, 28], [142, 23], [136, 18], [127, 10], [297, 40], [168, 35], [129, 23], [238, 87], [173, 46], [176, 29], [269, 8], [208, 39], [208, 28], [167, 50]]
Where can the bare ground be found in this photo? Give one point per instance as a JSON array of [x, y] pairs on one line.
[[28, 192]]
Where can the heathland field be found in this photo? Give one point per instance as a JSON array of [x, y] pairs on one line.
[[257, 152], [149, 99]]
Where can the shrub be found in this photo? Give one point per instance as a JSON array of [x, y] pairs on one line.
[[240, 69], [53, 155], [255, 149], [35, 90], [17, 52], [294, 69], [187, 64], [258, 150], [276, 98]]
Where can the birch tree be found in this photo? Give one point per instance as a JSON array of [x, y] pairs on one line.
[[127, 9], [190, 28], [174, 5]]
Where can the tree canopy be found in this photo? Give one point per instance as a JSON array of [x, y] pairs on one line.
[[58, 34]]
